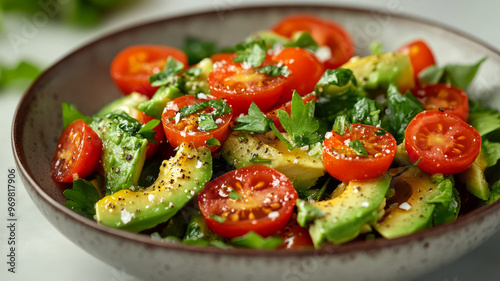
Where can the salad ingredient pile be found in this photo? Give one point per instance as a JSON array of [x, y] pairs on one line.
[[285, 140]]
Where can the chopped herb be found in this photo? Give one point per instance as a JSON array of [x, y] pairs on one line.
[[376, 48], [148, 131], [380, 132], [167, 75], [82, 197], [307, 213], [71, 114], [193, 72], [339, 77], [256, 159], [408, 167], [365, 111], [206, 122], [220, 107], [274, 70], [234, 195], [255, 121], [212, 142], [341, 123], [303, 40], [358, 147], [218, 219], [253, 53]]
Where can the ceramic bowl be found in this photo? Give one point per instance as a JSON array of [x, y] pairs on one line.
[[83, 79]]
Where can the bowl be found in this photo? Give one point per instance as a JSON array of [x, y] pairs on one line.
[[83, 78]]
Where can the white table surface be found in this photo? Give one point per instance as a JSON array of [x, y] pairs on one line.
[[44, 254]]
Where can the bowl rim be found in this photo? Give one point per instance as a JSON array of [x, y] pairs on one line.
[[352, 247]]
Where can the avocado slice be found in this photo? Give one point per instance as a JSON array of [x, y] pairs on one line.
[[154, 107], [347, 215], [127, 104], [180, 179], [419, 202], [302, 167], [379, 71], [474, 178]]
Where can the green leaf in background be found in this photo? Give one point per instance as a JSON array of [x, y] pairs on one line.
[[24, 71], [197, 49], [459, 75]]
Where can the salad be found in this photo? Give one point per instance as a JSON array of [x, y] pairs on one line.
[[285, 140]]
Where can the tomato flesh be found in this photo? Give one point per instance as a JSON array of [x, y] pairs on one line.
[[420, 56], [344, 164], [449, 98], [325, 32], [77, 154], [133, 66], [295, 236], [186, 129], [255, 198], [445, 143]]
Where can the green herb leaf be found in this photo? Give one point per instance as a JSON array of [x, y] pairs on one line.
[[234, 195], [197, 49], [71, 114], [459, 75], [380, 132], [254, 240], [303, 40], [307, 213], [253, 53], [256, 159], [23, 71], [218, 219], [339, 77], [212, 142], [82, 197], [194, 71], [148, 131], [484, 120], [255, 121], [341, 123], [402, 109], [376, 48], [301, 124], [358, 147], [491, 152], [274, 70], [206, 122], [166, 76], [365, 111], [220, 107], [495, 193]]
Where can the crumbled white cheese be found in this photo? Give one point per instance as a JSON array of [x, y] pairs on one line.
[[405, 206], [126, 216]]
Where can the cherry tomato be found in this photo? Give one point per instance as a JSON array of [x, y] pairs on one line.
[[420, 56], [133, 66], [241, 86], [78, 152], [305, 71], [159, 136], [324, 32], [445, 143], [255, 198], [447, 97], [186, 129], [273, 113], [295, 236], [345, 164]]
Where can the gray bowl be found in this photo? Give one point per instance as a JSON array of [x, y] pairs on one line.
[[83, 79]]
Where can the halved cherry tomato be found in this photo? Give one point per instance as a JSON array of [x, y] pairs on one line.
[[295, 236], [133, 66], [186, 129], [449, 98], [255, 198], [420, 56], [159, 136], [324, 32], [445, 143], [78, 152], [305, 71], [273, 114], [345, 164], [241, 86]]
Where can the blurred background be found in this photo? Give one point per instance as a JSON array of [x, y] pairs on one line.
[[34, 34]]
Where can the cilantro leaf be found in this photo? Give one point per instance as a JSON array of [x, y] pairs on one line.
[[212, 142], [148, 132], [166, 76], [358, 147], [300, 124], [218, 219], [329, 107], [82, 197], [274, 70], [339, 77], [220, 107], [254, 240], [255, 121], [253, 53], [70, 114], [402, 109], [341, 123], [459, 75]]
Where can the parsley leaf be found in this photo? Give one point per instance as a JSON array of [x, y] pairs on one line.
[[341, 123], [148, 132], [166, 76], [82, 197], [339, 77], [303, 40], [255, 121], [300, 124], [218, 219], [70, 114], [206, 122], [254, 240], [197, 49], [365, 111], [274, 70], [253, 53], [459, 75], [358, 147], [212, 142], [220, 107], [234, 195]]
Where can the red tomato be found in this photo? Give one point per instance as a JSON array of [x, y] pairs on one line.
[[273, 114], [241, 86], [255, 198], [305, 68], [324, 32], [343, 163], [420, 56], [78, 152], [295, 236], [159, 136], [445, 143], [186, 129], [133, 66], [447, 97]]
